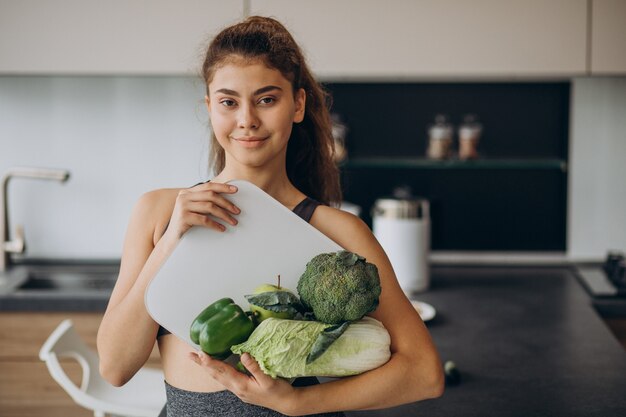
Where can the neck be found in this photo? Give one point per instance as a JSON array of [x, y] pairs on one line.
[[273, 181]]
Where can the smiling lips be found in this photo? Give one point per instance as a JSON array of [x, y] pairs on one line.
[[250, 141]]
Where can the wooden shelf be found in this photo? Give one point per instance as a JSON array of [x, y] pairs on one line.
[[423, 163]]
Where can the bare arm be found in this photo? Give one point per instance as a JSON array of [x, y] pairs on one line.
[[127, 333], [414, 371]]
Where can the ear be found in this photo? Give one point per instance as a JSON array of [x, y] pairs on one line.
[[300, 99], [208, 104]]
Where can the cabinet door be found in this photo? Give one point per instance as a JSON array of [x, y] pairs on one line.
[[608, 37], [109, 37], [436, 38]]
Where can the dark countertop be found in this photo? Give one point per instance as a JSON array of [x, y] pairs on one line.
[[527, 342], [86, 301]]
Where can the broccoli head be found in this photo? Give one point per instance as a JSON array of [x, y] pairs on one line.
[[339, 286]]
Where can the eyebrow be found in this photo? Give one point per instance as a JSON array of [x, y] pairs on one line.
[[256, 93]]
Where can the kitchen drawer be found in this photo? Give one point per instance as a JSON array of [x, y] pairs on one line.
[[23, 334]]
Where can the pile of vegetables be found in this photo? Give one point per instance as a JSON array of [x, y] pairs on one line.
[[323, 332]]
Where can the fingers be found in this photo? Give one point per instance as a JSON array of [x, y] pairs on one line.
[[217, 187], [223, 373], [212, 197], [258, 388], [212, 192], [204, 205], [219, 369], [195, 219], [210, 208], [255, 370]]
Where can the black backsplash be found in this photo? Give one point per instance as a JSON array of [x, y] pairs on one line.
[[494, 209]]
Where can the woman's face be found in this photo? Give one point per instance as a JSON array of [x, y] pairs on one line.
[[252, 110]]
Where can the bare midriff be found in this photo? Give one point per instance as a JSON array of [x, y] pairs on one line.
[[180, 371]]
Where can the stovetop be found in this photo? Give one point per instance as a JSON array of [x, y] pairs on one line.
[[607, 279], [597, 282]]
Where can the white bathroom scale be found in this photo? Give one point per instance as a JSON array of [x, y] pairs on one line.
[[206, 265]]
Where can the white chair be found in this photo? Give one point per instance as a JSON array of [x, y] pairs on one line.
[[142, 396]]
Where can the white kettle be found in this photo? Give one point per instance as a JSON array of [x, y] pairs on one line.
[[402, 227]]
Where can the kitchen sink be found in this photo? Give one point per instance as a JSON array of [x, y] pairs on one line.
[[61, 277], [42, 279], [66, 281], [56, 285]]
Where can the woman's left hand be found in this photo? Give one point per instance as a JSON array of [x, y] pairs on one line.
[[257, 388]]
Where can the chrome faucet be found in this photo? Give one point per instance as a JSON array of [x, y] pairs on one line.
[[18, 244]]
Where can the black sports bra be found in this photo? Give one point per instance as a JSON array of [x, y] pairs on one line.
[[304, 209]]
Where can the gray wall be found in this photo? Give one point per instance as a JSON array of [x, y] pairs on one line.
[[119, 137]]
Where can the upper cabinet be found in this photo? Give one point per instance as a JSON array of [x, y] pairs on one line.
[[347, 39], [109, 37], [437, 38], [608, 37]]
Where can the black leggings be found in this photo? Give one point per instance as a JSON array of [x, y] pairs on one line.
[[182, 403]]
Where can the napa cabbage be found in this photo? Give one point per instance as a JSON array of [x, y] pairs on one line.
[[281, 348]]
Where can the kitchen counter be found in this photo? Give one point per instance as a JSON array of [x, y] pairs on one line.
[[527, 342]]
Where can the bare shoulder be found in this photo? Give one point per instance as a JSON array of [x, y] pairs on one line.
[[154, 209], [161, 196], [346, 229], [159, 200]]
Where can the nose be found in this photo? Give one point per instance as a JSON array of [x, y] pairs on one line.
[[248, 118]]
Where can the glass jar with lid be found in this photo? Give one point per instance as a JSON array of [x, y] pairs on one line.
[[469, 136], [339, 132], [440, 138]]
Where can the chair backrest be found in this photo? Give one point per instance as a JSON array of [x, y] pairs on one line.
[[140, 397], [64, 342]]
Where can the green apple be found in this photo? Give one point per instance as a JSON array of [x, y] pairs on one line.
[[267, 288], [261, 313]]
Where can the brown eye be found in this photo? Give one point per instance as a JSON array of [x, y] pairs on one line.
[[267, 100], [228, 103]]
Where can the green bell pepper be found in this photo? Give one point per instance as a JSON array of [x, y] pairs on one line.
[[220, 326]]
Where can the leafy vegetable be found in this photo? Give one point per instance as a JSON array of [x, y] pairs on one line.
[[281, 348], [277, 301], [339, 286], [325, 339]]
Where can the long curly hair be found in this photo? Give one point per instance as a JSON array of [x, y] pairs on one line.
[[310, 165]]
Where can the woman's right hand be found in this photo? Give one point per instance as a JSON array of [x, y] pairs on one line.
[[201, 205]]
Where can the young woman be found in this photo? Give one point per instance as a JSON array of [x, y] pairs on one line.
[[271, 126]]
